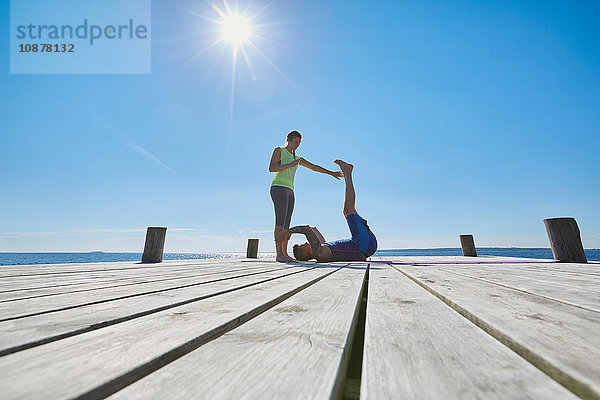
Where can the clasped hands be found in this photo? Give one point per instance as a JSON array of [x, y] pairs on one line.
[[285, 234]]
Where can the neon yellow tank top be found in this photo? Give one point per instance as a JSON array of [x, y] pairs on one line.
[[285, 178]]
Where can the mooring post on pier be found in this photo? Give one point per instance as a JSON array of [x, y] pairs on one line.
[[155, 244], [565, 239], [252, 250], [468, 245]]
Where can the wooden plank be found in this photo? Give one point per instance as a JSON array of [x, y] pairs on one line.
[[294, 351], [57, 285], [13, 283], [575, 290], [50, 269], [17, 270], [579, 269], [559, 275], [582, 270], [19, 334], [30, 307], [416, 347], [558, 338], [101, 362]]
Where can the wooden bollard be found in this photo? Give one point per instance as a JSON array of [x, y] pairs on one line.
[[155, 243], [468, 245], [252, 250], [565, 240]]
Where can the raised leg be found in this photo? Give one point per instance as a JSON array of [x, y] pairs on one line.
[[350, 195]]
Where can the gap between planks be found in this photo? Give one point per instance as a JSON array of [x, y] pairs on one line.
[[416, 347], [297, 350]]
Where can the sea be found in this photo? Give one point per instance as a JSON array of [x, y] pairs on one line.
[[100, 256]]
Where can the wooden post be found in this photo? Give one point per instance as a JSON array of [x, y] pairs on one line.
[[468, 245], [155, 243], [565, 240], [252, 250]]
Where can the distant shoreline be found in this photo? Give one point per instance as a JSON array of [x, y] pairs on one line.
[[241, 252], [36, 258]]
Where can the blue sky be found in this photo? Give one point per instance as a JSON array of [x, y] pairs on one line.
[[460, 117]]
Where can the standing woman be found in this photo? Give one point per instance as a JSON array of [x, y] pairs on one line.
[[284, 162]]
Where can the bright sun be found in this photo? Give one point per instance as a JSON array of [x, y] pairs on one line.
[[242, 31], [235, 29]]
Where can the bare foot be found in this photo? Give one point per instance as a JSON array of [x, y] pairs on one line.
[[285, 259], [344, 166]]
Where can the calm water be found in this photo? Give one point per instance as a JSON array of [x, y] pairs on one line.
[[97, 256], [67, 258]]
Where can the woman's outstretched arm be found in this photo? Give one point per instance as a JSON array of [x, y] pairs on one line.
[[318, 168]]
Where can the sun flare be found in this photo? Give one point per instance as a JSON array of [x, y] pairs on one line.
[[235, 29], [244, 32]]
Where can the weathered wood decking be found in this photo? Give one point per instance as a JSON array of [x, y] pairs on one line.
[[386, 329]]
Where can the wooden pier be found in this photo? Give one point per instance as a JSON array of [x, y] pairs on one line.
[[393, 328]]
